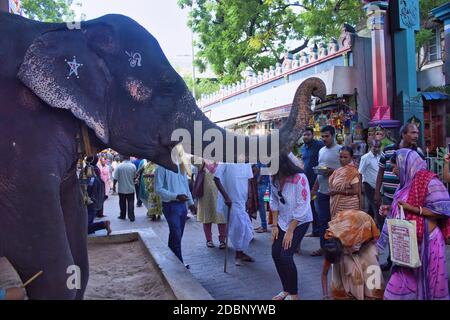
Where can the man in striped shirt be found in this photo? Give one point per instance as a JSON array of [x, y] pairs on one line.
[[387, 181]]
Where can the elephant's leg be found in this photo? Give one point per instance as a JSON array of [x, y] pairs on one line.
[[35, 238], [75, 216]]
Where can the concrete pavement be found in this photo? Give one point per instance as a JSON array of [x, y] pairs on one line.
[[258, 280]]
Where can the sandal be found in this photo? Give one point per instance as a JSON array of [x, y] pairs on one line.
[[210, 244], [222, 245], [261, 230], [280, 296]]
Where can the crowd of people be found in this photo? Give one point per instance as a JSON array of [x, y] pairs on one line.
[[346, 203]]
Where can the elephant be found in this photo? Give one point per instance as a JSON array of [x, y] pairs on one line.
[[111, 76]]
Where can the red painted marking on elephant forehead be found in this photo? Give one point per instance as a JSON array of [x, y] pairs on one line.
[[137, 90]]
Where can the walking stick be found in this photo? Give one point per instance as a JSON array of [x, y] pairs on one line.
[[32, 278], [226, 241]]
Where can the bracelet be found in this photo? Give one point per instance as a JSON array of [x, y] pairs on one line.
[[420, 211]]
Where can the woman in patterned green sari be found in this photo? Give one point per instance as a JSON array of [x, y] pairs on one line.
[[148, 196]]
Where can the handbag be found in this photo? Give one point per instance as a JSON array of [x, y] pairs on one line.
[[197, 189], [403, 241]]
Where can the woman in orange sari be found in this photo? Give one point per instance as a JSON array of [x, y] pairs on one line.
[[351, 252], [345, 184]]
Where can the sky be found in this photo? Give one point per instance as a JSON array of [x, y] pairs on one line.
[[164, 19]]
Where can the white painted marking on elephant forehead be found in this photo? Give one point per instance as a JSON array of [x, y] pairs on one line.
[[74, 65], [135, 59], [14, 144]]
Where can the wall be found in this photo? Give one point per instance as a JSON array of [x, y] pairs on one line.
[[431, 77], [339, 80]]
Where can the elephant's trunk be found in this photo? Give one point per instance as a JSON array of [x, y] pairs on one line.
[[199, 127]]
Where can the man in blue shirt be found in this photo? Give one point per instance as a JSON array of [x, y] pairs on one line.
[[310, 157], [263, 183], [124, 175], [173, 188]]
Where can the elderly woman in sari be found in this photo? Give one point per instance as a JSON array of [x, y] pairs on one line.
[[425, 201], [350, 247], [206, 211], [345, 184]]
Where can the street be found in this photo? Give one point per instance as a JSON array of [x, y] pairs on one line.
[[258, 280]]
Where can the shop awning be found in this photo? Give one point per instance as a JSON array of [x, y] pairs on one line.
[[231, 122], [434, 95]]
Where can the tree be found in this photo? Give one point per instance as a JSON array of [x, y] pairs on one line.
[[425, 33], [202, 86], [236, 34], [49, 10]]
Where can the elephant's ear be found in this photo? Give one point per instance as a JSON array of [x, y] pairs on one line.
[[63, 69]]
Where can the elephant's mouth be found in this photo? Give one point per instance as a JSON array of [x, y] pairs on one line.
[[164, 156]]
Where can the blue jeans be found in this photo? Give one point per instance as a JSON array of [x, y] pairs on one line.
[[323, 214], [94, 226], [175, 213], [261, 205], [284, 259]]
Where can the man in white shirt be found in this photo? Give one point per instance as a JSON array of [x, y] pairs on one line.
[[368, 167], [232, 180]]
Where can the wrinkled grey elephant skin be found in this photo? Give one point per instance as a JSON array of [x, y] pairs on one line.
[[110, 75]]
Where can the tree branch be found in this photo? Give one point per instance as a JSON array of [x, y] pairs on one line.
[[295, 4], [300, 48]]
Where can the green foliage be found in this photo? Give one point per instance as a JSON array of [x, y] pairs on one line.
[[422, 37], [236, 34], [426, 20], [48, 10], [202, 86]]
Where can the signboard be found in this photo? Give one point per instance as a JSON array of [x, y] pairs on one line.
[[276, 113], [14, 7]]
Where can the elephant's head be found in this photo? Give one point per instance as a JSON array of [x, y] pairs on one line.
[[113, 75]]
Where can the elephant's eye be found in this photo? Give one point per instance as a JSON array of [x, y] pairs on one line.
[[165, 89]]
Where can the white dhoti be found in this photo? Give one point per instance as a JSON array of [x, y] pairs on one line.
[[240, 231], [234, 178]]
